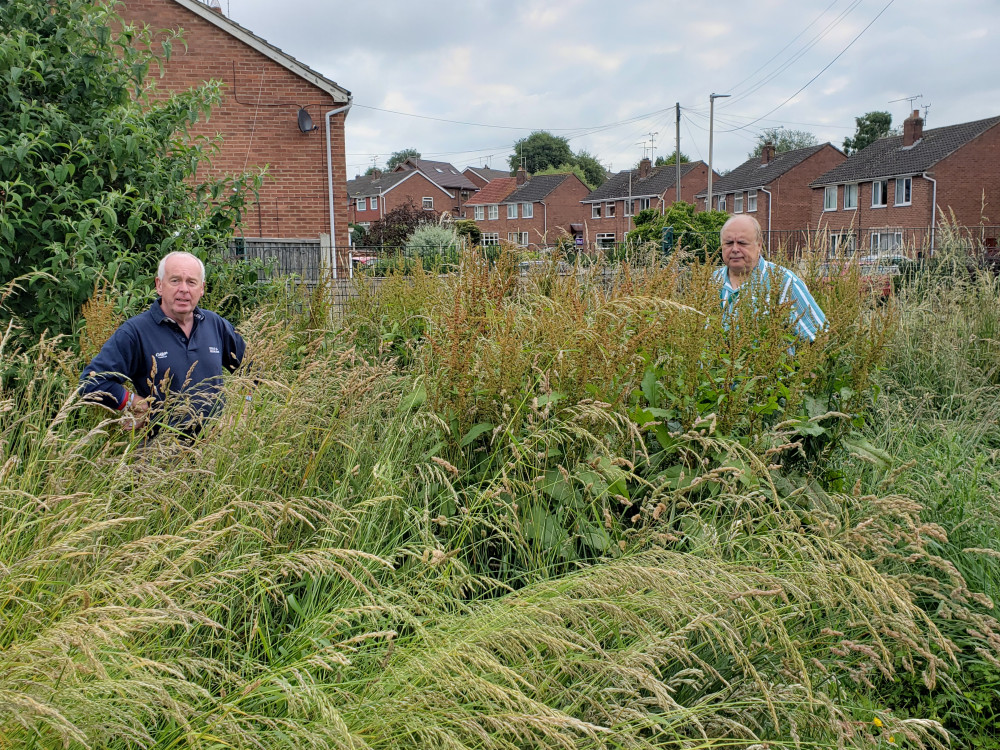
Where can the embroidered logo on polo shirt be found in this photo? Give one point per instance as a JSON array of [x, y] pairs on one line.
[[161, 355], [213, 350]]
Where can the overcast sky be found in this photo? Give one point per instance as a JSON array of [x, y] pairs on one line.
[[461, 81]]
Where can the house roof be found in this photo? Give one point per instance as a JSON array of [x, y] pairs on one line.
[[493, 191], [382, 183], [751, 174], [888, 157], [486, 173], [660, 180], [440, 172], [537, 188], [339, 94]]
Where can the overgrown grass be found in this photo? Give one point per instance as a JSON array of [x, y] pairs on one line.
[[491, 511]]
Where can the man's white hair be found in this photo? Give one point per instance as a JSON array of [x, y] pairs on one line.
[[161, 272], [758, 232]]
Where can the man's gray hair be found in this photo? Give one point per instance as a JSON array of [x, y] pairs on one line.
[[161, 272], [758, 233]]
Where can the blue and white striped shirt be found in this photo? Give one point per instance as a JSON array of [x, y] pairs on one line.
[[807, 317]]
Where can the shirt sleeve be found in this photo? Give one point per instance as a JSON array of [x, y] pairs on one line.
[[104, 378], [808, 317], [234, 347]]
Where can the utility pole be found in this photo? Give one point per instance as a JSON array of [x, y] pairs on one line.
[[652, 145], [711, 132], [677, 154]]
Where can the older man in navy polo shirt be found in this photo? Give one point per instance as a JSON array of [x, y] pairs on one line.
[[174, 347]]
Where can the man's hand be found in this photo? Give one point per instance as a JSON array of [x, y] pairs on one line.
[[138, 414]]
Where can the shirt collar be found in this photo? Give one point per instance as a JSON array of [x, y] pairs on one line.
[[160, 317], [760, 268]]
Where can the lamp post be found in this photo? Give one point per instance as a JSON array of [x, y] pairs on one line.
[[711, 132]]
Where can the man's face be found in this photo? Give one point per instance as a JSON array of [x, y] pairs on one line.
[[740, 248], [181, 287]]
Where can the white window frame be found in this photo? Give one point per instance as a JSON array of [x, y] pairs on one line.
[[518, 238], [881, 193], [373, 203], [906, 183], [360, 204], [893, 240], [636, 205], [751, 201], [851, 192], [842, 243], [490, 238], [830, 198], [738, 203], [493, 212], [479, 213], [721, 203], [427, 203], [527, 210], [511, 210], [605, 239], [609, 209], [595, 210]]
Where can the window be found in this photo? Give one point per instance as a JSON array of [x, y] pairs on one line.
[[480, 213], [609, 209], [373, 202], [490, 238], [428, 204], [494, 212], [527, 210], [904, 186], [606, 240], [595, 211], [511, 210], [518, 238], [752, 201], [722, 203], [842, 244], [850, 197], [830, 198], [885, 241], [360, 204], [636, 205], [880, 192], [738, 203]]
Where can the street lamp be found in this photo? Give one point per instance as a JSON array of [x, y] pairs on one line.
[[711, 132]]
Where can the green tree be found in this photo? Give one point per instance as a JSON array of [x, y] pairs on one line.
[[662, 161], [96, 179], [783, 140], [694, 231], [399, 157], [870, 127], [594, 173], [396, 226], [541, 150]]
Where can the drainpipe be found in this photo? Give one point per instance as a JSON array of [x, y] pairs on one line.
[[545, 222], [329, 178], [933, 211], [769, 202]]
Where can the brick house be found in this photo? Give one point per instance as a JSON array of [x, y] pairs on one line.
[[894, 192], [531, 212], [270, 102], [370, 197], [444, 174], [480, 176], [775, 189], [609, 209]]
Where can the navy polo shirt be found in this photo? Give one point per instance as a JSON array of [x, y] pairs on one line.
[[152, 352]]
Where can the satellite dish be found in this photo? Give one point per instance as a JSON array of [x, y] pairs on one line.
[[306, 122]]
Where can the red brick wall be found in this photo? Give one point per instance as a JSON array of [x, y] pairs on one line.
[[917, 214], [414, 189], [794, 200], [693, 182], [258, 122], [550, 218], [967, 177]]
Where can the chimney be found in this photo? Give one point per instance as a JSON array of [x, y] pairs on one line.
[[521, 176], [645, 167], [913, 128], [767, 153], [215, 5]]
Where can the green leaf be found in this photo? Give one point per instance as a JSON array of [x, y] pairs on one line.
[[475, 432], [414, 400], [860, 447]]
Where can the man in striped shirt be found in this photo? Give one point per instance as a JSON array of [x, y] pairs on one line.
[[742, 244]]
